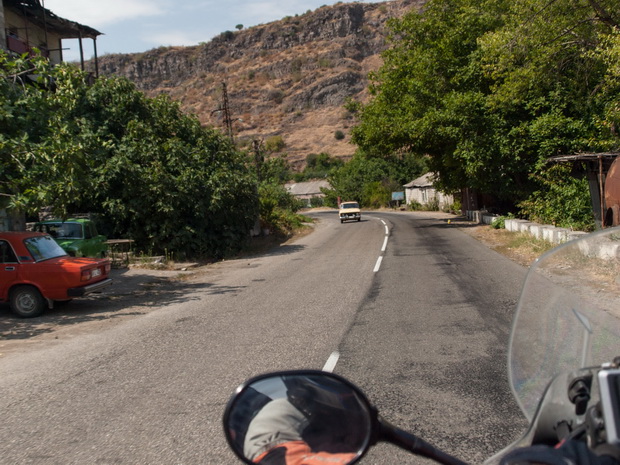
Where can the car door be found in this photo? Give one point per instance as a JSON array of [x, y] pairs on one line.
[[89, 247], [96, 246], [9, 268]]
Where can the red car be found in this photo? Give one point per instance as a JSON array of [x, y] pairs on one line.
[[35, 271]]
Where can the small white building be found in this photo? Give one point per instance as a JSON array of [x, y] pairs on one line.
[[421, 190], [307, 190]]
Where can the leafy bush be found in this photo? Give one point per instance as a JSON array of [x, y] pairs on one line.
[[278, 209], [561, 200], [455, 207], [274, 144], [339, 135], [500, 221], [276, 96], [432, 205], [316, 202], [227, 36]]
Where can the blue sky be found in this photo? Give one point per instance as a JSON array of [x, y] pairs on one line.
[[139, 25]]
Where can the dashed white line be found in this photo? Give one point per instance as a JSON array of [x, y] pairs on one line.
[[331, 362], [385, 242], [333, 358], [378, 264]]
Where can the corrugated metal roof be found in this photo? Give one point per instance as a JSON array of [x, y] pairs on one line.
[[44, 18], [307, 188], [425, 180]]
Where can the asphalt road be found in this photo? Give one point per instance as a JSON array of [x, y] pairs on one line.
[[417, 310]]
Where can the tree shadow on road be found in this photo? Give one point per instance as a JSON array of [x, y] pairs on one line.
[[135, 297]]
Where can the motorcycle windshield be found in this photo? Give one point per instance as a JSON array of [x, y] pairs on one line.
[[568, 315]]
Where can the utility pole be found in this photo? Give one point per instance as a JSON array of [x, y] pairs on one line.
[[226, 109], [258, 156]]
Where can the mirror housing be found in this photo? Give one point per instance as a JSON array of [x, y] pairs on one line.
[[301, 411]]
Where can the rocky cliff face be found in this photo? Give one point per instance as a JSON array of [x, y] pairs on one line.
[[288, 78]]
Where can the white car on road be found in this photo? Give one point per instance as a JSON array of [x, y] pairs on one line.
[[349, 211]]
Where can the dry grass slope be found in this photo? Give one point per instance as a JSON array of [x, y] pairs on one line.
[[288, 78]]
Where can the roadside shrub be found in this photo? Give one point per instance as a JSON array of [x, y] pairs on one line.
[[275, 144], [432, 205], [317, 202], [414, 205], [278, 208], [454, 207], [562, 200]]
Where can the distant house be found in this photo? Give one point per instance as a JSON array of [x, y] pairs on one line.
[[307, 190], [422, 191], [26, 24]]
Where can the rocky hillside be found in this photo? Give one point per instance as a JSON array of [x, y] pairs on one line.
[[289, 78]]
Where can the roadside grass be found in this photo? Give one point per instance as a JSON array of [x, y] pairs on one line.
[[520, 247]]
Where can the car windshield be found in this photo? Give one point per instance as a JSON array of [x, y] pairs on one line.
[[43, 248], [350, 205], [62, 230]]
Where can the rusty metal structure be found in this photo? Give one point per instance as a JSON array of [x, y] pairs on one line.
[[27, 24], [603, 174], [612, 194]]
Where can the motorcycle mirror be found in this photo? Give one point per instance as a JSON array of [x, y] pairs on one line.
[[307, 411]]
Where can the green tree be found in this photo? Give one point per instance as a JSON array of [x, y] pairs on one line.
[[428, 97], [351, 181], [150, 171], [489, 90]]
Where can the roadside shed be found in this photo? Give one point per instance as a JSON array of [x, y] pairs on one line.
[[603, 173], [306, 191]]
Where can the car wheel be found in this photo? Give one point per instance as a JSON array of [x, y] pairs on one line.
[[27, 302], [359, 219]]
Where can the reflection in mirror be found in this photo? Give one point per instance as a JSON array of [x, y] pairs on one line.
[[284, 417]]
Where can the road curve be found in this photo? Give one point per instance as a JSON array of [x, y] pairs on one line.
[[416, 310]]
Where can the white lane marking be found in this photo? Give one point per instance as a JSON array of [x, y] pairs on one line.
[[331, 362], [387, 231], [378, 264], [385, 242]]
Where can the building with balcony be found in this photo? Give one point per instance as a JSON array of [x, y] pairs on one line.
[[27, 24]]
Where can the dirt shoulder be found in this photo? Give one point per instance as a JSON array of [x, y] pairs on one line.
[[135, 291], [515, 246]]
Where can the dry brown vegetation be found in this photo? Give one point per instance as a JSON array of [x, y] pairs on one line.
[[289, 77]]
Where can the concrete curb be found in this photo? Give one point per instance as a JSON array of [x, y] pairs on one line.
[[606, 249]]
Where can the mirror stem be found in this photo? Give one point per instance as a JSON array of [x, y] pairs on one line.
[[407, 441]]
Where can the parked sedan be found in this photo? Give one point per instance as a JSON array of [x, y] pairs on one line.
[[35, 272]]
